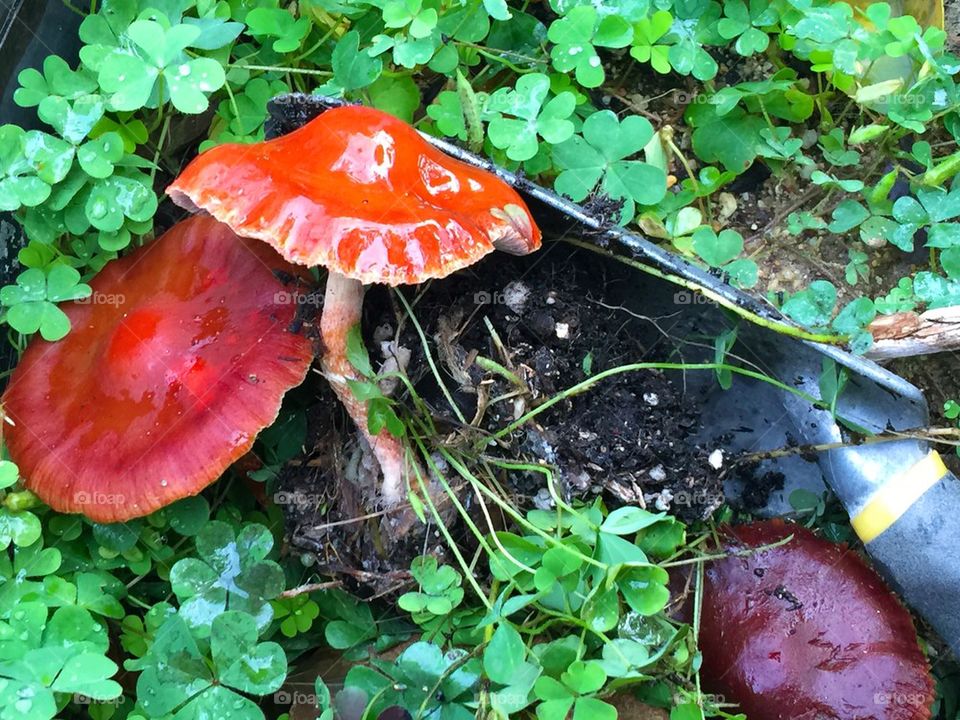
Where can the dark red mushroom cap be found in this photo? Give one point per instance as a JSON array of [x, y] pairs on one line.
[[360, 192], [179, 358], [807, 631]]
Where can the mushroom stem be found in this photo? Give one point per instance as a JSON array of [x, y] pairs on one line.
[[342, 309]]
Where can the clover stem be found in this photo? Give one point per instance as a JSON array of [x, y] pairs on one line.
[[342, 309]]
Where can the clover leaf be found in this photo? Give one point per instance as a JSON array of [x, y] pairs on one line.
[[229, 572], [407, 51], [576, 36], [56, 81], [645, 47], [600, 155], [574, 692], [16, 587], [447, 112], [74, 121], [743, 22], [103, 31], [732, 139], [155, 68], [439, 588], [20, 528], [280, 24], [531, 116], [9, 474], [417, 17], [352, 69], [106, 203], [31, 301], [296, 614], [813, 306], [423, 676], [42, 655], [20, 184], [720, 251], [176, 676], [691, 29]]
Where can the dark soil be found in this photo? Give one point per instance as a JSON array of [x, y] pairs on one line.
[[627, 438]]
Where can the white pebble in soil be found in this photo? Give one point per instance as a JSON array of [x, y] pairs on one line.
[[716, 459], [515, 296]]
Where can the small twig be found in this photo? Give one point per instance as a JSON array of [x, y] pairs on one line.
[[935, 435], [309, 588]]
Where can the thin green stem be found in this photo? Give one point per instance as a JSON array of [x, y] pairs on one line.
[[430, 360], [451, 543], [774, 325], [633, 367], [279, 68]]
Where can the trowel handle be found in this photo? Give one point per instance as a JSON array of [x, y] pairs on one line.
[[911, 528]]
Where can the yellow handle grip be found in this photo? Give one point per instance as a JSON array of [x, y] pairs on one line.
[[896, 496]]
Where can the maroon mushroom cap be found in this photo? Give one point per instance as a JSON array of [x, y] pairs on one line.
[[807, 631]]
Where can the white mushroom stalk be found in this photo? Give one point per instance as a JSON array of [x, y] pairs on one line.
[[342, 310]]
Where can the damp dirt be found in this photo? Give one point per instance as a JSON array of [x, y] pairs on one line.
[[506, 337]]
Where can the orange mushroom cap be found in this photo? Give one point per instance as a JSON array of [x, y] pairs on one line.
[[362, 193], [179, 358]]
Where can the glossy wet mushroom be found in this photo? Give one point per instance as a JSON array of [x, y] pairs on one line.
[[807, 631], [362, 194], [179, 358]]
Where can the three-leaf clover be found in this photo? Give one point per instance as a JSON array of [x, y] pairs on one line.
[[743, 22], [423, 676], [505, 664], [43, 655], [439, 588], [20, 184], [532, 116], [600, 156], [176, 675], [690, 30], [154, 67], [577, 35], [646, 34], [280, 24], [106, 203], [352, 69], [31, 301], [721, 251], [574, 691], [813, 306], [29, 561], [296, 614], [74, 121], [229, 572], [417, 17], [56, 80]]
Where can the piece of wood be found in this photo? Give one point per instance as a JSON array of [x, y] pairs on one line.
[[907, 334]]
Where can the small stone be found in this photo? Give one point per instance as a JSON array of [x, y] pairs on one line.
[[562, 330], [663, 500], [657, 473], [716, 459], [515, 296], [651, 399]]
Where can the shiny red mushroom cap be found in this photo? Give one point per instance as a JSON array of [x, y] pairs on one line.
[[807, 631], [362, 193], [180, 356]]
